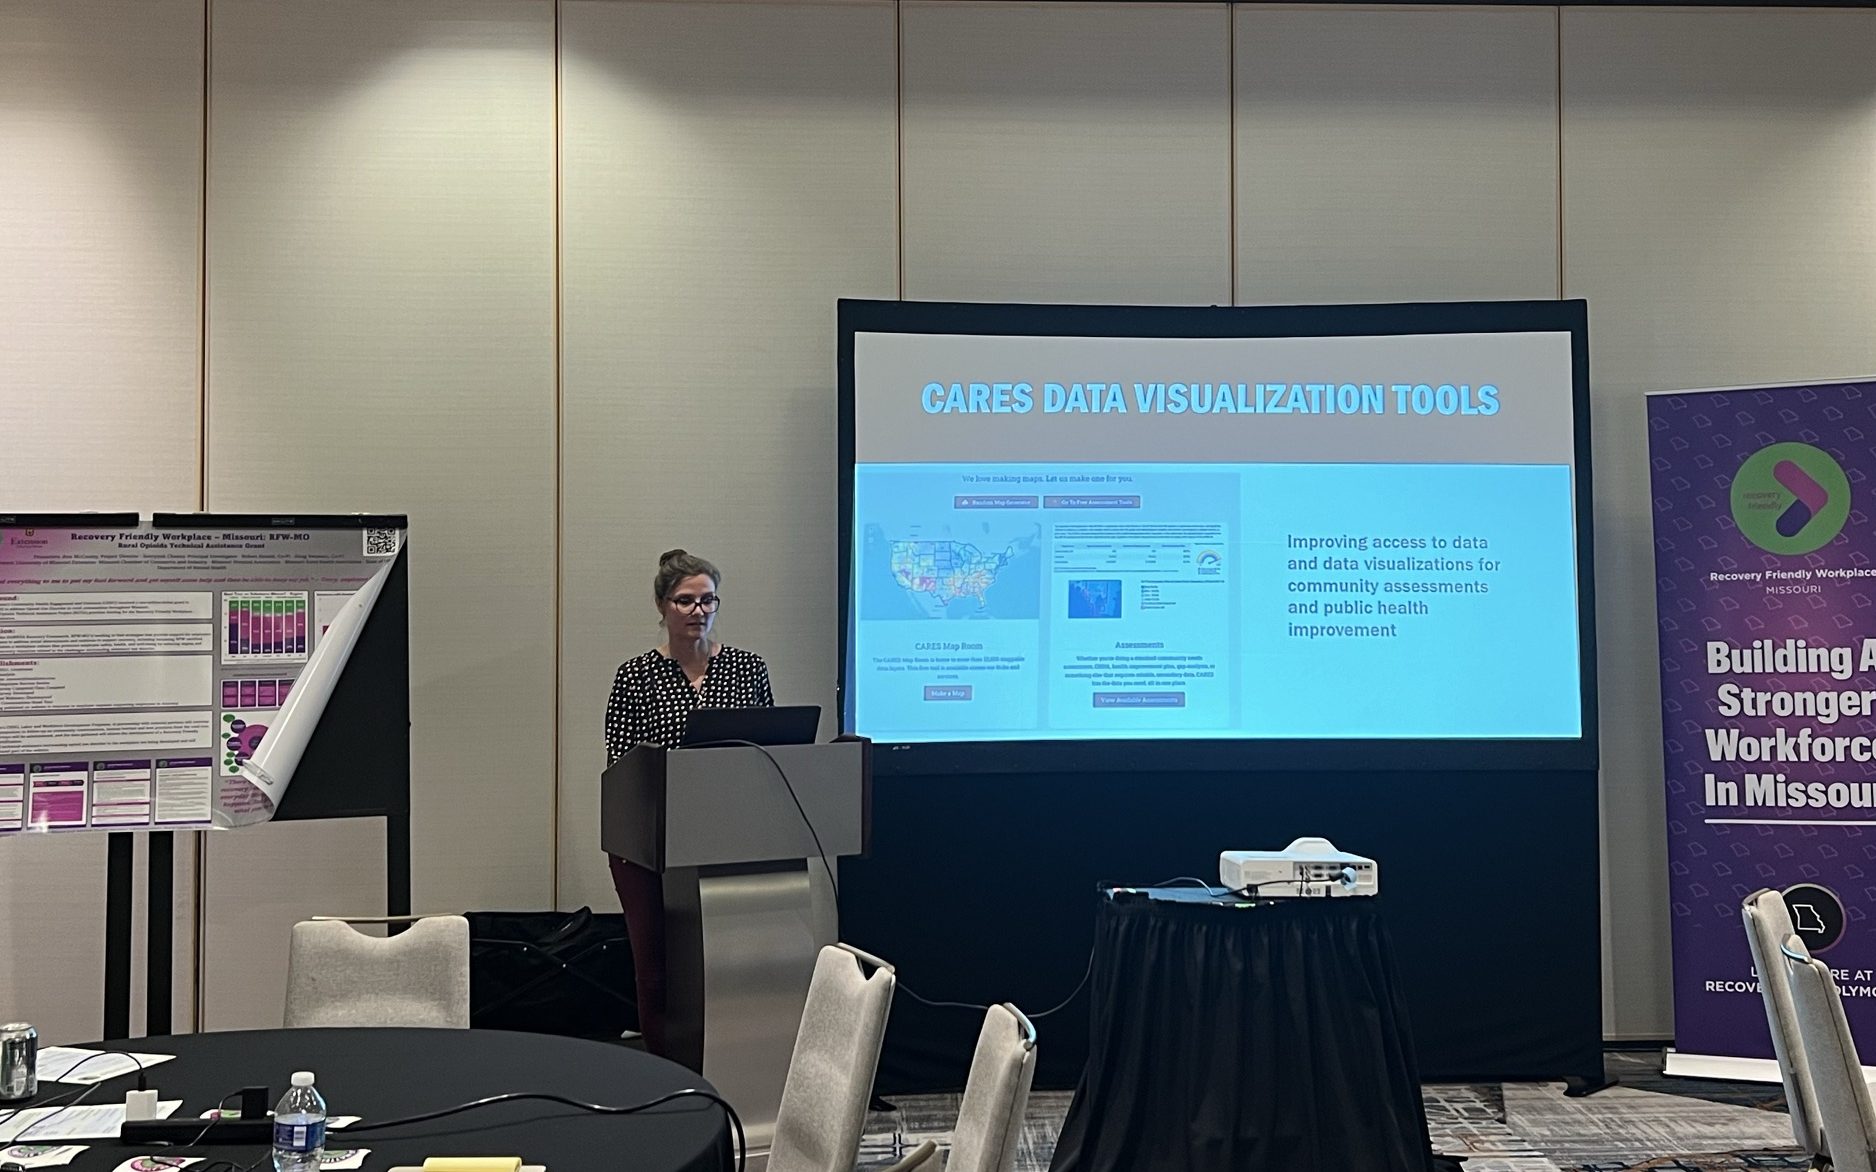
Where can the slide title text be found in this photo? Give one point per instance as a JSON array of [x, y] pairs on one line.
[[1200, 398]]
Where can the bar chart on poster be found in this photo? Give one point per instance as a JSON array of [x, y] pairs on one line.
[[168, 676]]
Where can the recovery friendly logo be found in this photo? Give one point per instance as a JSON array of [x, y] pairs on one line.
[[1790, 498]]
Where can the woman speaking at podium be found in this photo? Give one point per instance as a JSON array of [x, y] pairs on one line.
[[652, 699]]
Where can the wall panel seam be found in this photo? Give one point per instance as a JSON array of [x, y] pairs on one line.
[[560, 423], [198, 940], [1560, 285], [1231, 142], [898, 129]]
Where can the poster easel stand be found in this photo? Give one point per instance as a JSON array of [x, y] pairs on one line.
[[160, 925], [346, 771], [159, 933]]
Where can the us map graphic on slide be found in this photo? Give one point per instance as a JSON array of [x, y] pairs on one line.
[[946, 570], [939, 571], [951, 571]]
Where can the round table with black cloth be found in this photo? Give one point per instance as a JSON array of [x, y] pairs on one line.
[[1240, 1036], [383, 1074]]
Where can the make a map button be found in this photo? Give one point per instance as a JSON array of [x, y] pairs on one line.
[[947, 691], [1139, 699]]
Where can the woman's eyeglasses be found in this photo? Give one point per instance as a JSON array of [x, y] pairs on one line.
[[707, 603]]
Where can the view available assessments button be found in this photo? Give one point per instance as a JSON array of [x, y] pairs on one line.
[[1139, 699], [947, 691]]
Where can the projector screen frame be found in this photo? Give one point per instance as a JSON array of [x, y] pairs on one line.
[[858, 316]]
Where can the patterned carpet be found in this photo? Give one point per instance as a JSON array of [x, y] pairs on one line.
[[1651, 1123]]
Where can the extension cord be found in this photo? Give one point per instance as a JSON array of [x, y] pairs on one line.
[[196, 1131]]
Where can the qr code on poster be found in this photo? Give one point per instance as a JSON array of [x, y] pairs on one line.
[[380, 543]]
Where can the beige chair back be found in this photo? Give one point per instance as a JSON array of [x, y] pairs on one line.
[[830, 1076], [990, 1120], [1768, 923], [339, 976], [1844, 1112]]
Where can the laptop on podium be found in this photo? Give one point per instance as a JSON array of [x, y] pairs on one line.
[[788, 725]]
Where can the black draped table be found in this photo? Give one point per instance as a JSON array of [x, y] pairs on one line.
[[383, 1074], [1238, 1036]]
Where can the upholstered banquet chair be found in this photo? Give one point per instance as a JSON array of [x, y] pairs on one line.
[[996, 1094], [339, 976], [830, 1076], [1768, 924], [990, 1120], [1844, 1111]]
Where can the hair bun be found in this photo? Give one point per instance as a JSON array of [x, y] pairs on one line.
[[669, 555]]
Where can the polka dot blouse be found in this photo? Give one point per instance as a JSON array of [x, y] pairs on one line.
[[652, 700]]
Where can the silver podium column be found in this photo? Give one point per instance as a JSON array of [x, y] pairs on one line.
[[748, 903]]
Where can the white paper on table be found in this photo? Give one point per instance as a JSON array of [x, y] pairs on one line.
[[335, 1122], [40, 1155], [157, 1163], [75, 1065], [271, 767], [53, 1124], [343, 1161]]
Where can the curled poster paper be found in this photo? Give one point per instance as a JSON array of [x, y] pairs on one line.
[[271, 767]]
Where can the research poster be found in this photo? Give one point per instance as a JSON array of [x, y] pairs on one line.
[[168, 678], [1765, 558], [1088, 538]]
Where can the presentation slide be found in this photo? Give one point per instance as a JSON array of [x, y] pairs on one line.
[[1086, 538]]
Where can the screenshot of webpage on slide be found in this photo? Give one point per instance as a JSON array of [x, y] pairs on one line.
[[1316, 538]]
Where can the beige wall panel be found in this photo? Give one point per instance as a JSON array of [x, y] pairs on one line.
[[182, 986], [100, 252], [52, 934], [52, 909], [1720, 216], [261, 881], [1396, 154], [1067, 152], [381, 338], [100, 299], [727, 173]]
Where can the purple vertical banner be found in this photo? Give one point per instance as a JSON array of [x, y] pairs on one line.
[[1765, 569]]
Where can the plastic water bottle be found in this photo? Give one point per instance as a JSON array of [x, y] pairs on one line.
[[299, 1127]]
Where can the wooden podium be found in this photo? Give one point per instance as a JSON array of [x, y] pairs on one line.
[[748, 905]]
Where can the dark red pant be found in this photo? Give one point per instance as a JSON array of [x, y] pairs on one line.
[[641, 894]]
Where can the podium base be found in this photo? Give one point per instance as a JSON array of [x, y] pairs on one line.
[[741, 946]]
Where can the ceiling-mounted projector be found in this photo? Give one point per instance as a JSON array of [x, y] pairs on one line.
[[1308, 866]]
